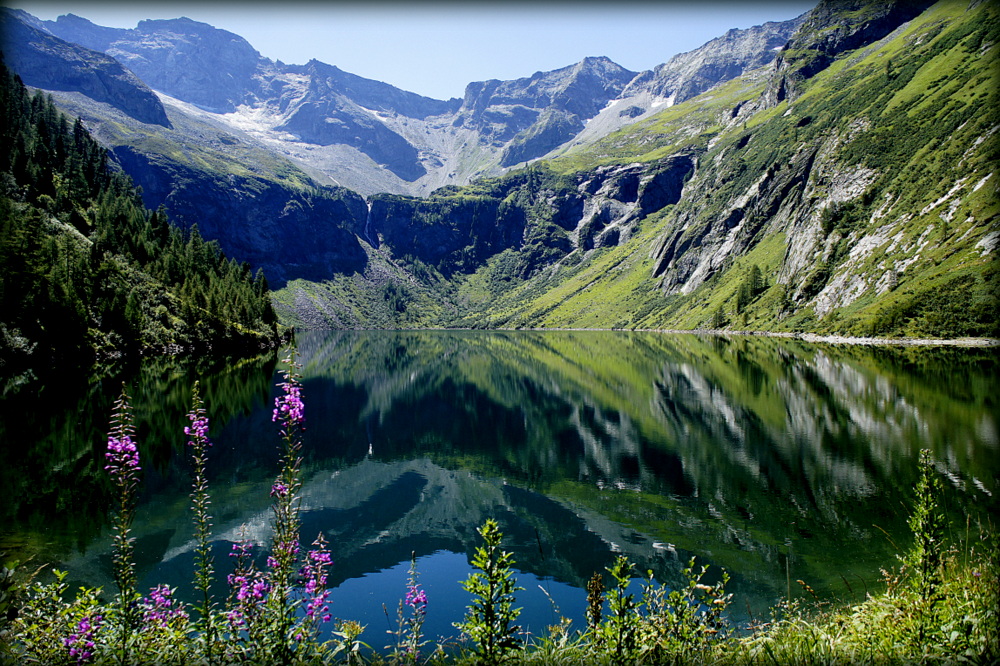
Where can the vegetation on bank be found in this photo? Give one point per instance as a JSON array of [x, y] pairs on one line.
[[87, 271], [939, 605]]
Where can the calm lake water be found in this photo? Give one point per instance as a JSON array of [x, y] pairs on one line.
[[776, 460]]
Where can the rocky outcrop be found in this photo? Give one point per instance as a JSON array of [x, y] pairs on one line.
[[689, 74], [831, 28], [543, 218], [697, 247], [290, 234], [552, 129], [623, 195], [45, 61]]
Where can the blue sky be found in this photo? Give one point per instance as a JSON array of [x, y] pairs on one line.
[[435, 49]]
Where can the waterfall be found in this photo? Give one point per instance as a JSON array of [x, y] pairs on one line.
[[368, 223]]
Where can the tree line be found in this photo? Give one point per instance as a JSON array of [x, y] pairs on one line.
[[87, 271]]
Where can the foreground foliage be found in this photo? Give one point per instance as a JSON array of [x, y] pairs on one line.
[[940, 605], [86, 270]]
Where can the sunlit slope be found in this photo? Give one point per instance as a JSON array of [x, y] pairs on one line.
[[866, 200]]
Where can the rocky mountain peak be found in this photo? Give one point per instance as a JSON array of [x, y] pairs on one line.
[[84, 32], [43, 60], [689, 74], [554, 104], [187, 59]]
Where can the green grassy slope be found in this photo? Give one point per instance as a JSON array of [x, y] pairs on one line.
[[898, 211]]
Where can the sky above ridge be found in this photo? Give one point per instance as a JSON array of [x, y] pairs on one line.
[[435, 49]]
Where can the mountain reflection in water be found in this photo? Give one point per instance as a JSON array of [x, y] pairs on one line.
[[775, 459]]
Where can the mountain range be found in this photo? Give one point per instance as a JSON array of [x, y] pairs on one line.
[[832, 173], [373, 137]]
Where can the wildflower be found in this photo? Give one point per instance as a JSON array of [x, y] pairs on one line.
[[236, 619], [249, 587], [81, 643], [279, 489], [198, 430], [158, 607], [123, 458], [289, 407], [240, 548], [123, 467], [415, 597], [314, 573]]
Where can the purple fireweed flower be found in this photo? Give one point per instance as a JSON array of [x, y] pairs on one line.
[[81, 643], [241, 548], [122, 457], [320, 557], [235, 618], [415, 596], [249, 587], [314, 576], [279, 489], [289, 407], [158, 607], [198, 430]]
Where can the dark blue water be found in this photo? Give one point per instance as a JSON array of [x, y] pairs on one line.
[[773, 459]]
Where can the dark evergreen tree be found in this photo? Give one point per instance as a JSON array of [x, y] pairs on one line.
[[85, 268]]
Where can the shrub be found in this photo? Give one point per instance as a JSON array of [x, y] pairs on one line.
[[489, 622]]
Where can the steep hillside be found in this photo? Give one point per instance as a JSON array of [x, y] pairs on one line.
[[866, 206], [86, 272], [44, 61]]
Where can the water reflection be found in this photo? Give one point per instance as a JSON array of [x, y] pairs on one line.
[[772, 458]]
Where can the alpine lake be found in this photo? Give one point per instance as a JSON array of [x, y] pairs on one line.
[[773, 459]]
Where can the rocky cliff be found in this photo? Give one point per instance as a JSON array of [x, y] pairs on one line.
[[373, 137], [687, 75], [544, 218], [290, 234], [43, 61]]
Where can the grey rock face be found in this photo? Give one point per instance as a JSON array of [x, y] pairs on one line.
[[186, 59], [500, 110], [687, 75], [376, 137], [79, 30], [543, 220], [45, 61], [337, 109], [289, 234]]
